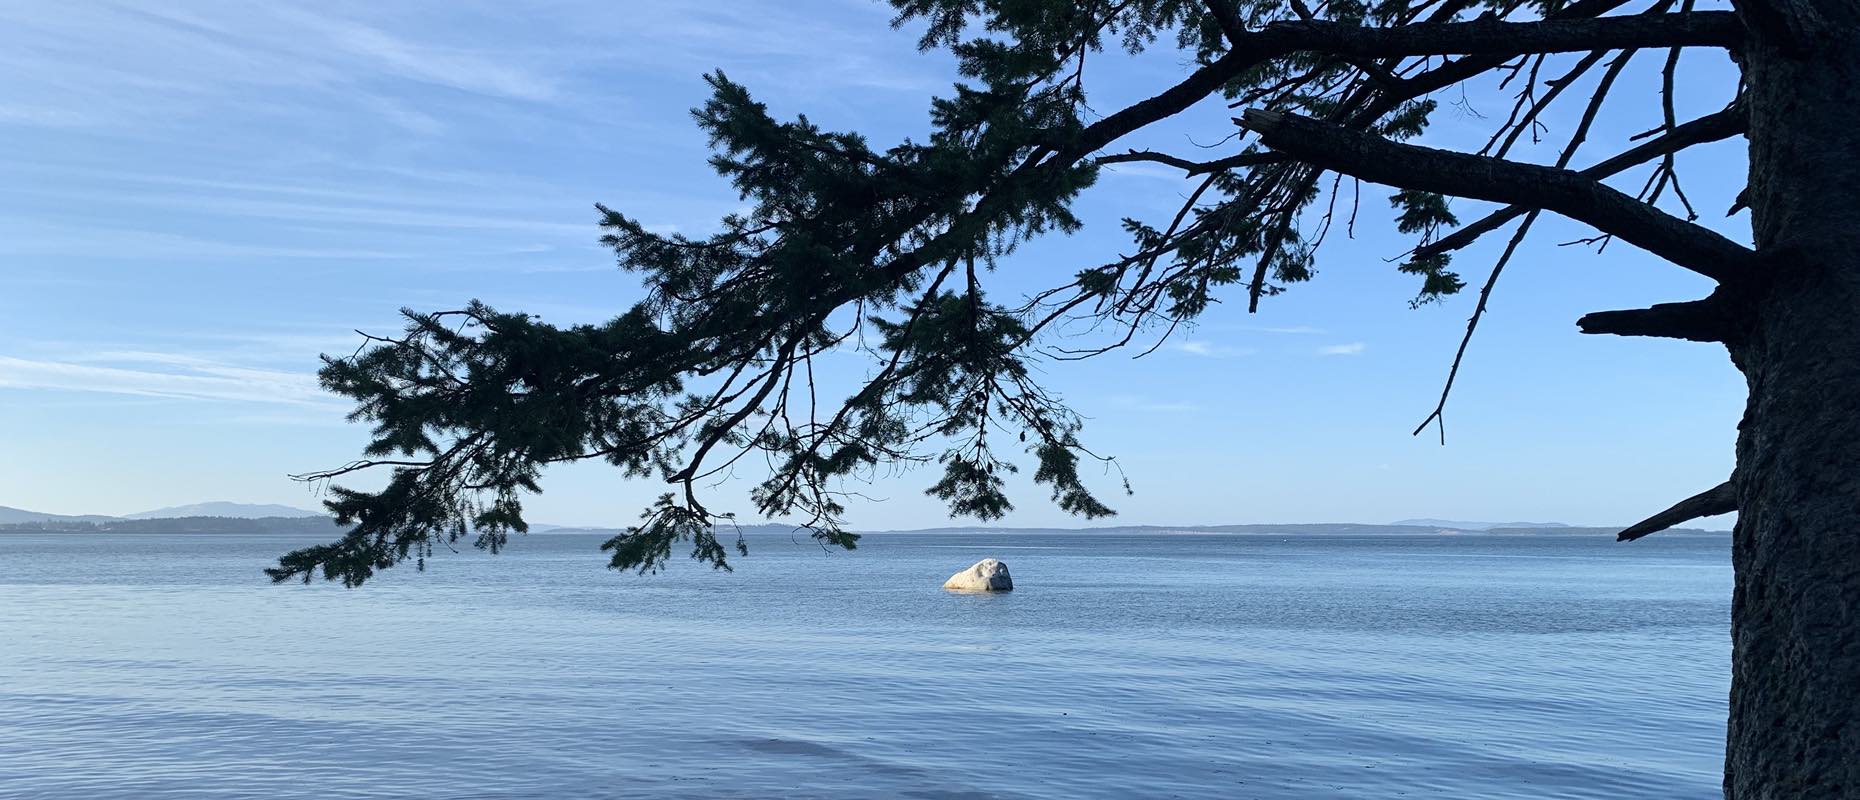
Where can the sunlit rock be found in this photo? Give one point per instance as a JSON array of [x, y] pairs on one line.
[[988, 575]]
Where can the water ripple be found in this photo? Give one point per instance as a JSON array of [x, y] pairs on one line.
[[1144, 666]]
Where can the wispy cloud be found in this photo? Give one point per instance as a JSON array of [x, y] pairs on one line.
[[800, 48], [1351, 349], [128, 65], [402, 57], [58, 240], [415, 66], [344, 214], [1207, 349], [165, 375]]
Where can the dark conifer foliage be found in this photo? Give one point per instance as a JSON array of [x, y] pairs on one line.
[[845, 244], [888, 250]]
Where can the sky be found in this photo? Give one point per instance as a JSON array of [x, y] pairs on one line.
[[198, 198]]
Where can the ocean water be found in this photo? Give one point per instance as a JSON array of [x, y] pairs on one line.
[[1551, 666]]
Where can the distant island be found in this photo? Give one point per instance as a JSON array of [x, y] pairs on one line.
[[224, 517], [211, 517], [318, 525], [224, 509], [10, 515], [1476, 526]]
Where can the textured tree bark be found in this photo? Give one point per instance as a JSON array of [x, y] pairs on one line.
[[1794, 729]]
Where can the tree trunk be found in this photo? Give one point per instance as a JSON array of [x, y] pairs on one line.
[[1794, 728]]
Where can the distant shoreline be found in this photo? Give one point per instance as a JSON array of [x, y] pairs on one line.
[[327, 525], [319, 526]]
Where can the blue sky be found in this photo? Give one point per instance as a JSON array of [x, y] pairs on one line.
[[198, 198]]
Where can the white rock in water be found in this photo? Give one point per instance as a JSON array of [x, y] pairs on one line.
[[988, 575]]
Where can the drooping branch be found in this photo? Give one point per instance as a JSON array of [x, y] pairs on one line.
[[1732, 121], [1359, 108], [1579, 197], [1576, 139], [1439, 414], [716, 364], [1720, 499]]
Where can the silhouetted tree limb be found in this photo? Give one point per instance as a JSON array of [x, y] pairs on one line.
[[1720, 499], [842, 245], [1706, 320], [1563, 191], [1490, 36], [1193, 167], [1722, 125], [1576, 140]]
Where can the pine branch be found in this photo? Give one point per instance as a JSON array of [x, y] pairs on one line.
[[1479, 38], [1563, 191], [1723, 125]]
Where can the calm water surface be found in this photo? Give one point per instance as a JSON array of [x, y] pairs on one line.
[[1124, 666]]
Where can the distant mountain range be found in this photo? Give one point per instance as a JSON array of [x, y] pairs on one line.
[[11, 516], [223, 516], [224, 509], [1474, 526], [315, 526]]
